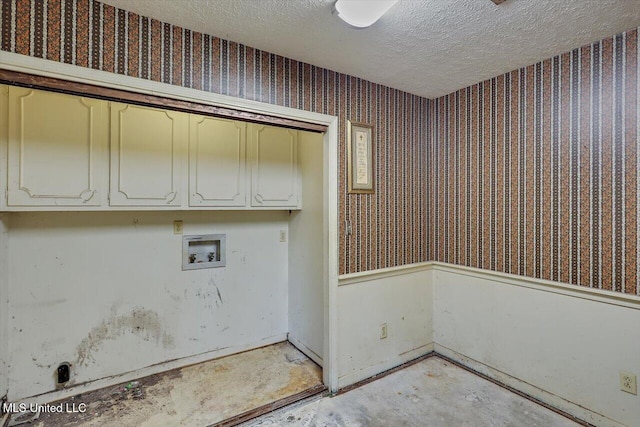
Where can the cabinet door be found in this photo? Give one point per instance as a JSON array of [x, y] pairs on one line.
[[274, 167], [146, 156], [217, 159], [56, 149]]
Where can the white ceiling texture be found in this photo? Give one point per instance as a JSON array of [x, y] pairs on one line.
[[426, 47]]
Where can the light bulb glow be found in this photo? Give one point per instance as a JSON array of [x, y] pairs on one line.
[[362, 13]]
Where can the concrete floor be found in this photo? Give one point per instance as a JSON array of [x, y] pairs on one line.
[[197, 395], [430, 393]]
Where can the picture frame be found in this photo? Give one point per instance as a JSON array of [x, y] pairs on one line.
[[360, 167]]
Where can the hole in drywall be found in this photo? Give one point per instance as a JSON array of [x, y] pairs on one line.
[[63, 373]]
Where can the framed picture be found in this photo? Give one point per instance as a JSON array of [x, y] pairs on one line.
[[360, 157]]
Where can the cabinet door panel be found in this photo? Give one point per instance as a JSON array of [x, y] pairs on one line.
[[146, 153], [56, 146], [274, 167], [217, 172]]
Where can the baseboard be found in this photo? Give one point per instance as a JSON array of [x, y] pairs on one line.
[[348, 381], [316, 391], [150, 370], [373, 370], [306, 350], [385, 373], [548, 399]]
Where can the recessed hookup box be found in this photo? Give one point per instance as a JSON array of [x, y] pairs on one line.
[[203, 251]]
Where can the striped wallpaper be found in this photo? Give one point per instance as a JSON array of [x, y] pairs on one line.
[[535, 172], [387, 228]]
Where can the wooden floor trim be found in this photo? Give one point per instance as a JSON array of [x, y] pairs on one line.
[[321, 389], [17, 78], [515, 391], [466, 368], [270, 407], [385, 373]]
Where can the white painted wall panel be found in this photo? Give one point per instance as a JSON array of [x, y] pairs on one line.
[[306, 252], [4, 309], [4, 302], [105, 291], [567, 345], [404, 303]]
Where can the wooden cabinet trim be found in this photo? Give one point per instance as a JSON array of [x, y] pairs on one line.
[[93, 91]]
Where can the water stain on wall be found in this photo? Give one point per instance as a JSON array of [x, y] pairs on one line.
[[142, 322]]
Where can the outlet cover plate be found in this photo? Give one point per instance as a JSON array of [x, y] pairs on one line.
[[383, 331], [628, 383]]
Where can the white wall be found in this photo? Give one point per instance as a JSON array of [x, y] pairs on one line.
[[4, 312], [557, 343], [402, 298], [306, 252], [105, 291], [4, 303]]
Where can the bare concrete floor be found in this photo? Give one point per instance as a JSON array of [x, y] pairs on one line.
[[431, 393], [198, 395]]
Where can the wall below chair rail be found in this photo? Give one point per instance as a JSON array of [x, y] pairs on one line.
[[559, 344], [401, 297], [106, 292]]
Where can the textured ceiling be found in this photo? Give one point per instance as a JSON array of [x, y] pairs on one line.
[[426, 47]]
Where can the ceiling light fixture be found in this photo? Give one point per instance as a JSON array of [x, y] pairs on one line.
[[362, 13]]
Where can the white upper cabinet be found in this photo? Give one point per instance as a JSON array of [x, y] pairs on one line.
[[146, 156], [67, 152], [56, 149], [217, 162], [274, 167]]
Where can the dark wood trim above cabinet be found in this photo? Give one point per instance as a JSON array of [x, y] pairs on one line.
[[111, 94]]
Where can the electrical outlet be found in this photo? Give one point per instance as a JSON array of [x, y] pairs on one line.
[[283, 235], [177, 227], [628, 383], [383, 331]]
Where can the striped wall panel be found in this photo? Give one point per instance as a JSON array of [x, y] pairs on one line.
[[535, 172], [388, 228]]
